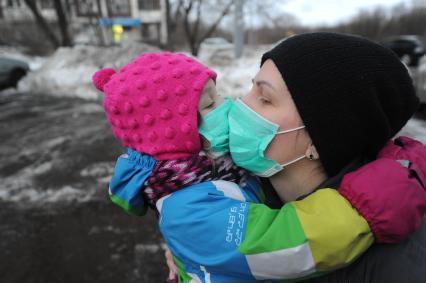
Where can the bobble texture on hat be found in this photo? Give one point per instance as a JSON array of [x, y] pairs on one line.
[[151, 103]]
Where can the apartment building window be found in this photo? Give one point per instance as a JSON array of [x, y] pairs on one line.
[[149, 4], [11, 3], [46, 4], [118, 8], [88, 8]]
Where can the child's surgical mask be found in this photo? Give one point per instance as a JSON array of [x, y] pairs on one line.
[[215, 128]]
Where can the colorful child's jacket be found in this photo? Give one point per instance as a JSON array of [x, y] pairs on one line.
[[221, 232]]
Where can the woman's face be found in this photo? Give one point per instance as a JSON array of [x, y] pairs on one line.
[[270, 98]]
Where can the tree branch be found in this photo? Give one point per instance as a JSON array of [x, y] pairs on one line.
[[214, 26], [197, 21], [41, 22], [187, 10], [63, 23]]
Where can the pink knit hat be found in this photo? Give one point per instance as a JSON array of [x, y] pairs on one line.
[[151, 103]]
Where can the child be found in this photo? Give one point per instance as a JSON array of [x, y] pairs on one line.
[[158, 105]]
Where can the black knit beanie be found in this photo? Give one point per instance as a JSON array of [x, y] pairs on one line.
[[352, 94]]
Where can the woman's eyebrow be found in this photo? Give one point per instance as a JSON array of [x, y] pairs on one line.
[[262, 82]]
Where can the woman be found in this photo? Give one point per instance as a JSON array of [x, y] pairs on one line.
[[210, 211], [322, 105], [338, 99]]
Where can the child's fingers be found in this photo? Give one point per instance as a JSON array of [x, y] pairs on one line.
[[170, 262]]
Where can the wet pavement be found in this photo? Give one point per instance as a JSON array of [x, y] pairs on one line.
[[56, 222]]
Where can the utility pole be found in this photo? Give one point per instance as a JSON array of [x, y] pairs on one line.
[[239, 28]]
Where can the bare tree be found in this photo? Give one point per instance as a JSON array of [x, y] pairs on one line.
[[42, 23], [173, 14], [197, 30], [269, 13], [380, 23], [371, 24], [61, 14], [63, 23], [273, 24]]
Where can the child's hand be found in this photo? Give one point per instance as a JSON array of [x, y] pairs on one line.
[[171, 264], [405, 148], [390, 192]]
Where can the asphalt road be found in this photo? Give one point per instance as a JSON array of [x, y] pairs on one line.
[[56, 222]]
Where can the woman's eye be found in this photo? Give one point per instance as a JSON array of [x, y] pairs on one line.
[[210, 105], [264, 101]]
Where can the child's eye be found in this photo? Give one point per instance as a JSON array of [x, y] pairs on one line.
[[210, 105]]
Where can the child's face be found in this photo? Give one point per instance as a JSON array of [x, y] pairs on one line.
[[209, 98]]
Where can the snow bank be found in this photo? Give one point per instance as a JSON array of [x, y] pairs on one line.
[[22, 189], [31, 195], [234, 78], [415, 128], [68, 71]]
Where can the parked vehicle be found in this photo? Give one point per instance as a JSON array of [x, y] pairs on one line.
[[409, 48], [216, 43], [419, 77], [11, 71], [216, 50]]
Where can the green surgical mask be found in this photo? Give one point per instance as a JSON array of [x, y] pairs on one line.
[[215, 128], [249, 136]]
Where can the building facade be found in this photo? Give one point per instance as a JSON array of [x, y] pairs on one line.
[[147, 16]]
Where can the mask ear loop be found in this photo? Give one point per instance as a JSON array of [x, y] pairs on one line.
[[293, 161], [291, 130]]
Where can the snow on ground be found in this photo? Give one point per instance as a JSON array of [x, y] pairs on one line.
[[415, 128], [32, 195], [54, 149], [68, 71], [235, 75]]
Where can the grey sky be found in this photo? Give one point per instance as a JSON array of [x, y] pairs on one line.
[[315, 12]]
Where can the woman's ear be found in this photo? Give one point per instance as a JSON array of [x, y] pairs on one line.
[[312, 153]]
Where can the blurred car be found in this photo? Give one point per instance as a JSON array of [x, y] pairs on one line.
[[11, 71], [216, 43], [409, 48], [216, 50], [419, 78]]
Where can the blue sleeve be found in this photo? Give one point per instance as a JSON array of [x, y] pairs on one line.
[[203, 225], [126, 185], [216, 231]]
